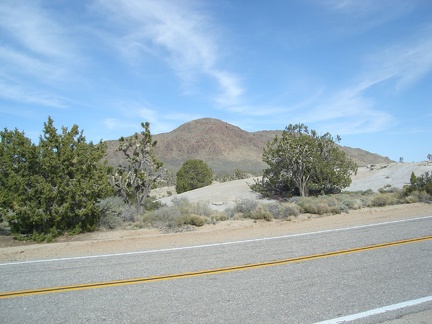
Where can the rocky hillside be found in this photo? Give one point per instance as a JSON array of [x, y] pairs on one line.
[[222, 146]]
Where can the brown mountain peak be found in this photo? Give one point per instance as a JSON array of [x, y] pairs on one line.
[[224, 147]]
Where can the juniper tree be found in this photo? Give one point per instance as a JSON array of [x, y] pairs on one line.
[[54, 186], [193, 174], [301, 161]]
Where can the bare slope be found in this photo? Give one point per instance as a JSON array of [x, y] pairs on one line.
[[224, 147]]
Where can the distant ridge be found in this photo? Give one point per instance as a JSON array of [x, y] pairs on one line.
[[224, 147]]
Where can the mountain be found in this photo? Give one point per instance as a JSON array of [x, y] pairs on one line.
[[224, 147]]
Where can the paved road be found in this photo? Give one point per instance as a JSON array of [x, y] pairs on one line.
[[173, 288]]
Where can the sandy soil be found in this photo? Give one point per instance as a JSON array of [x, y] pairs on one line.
[[393, 174], [221, 196], [224, 195], [148, 239]]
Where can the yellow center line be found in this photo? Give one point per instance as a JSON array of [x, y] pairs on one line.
[[133, 281]]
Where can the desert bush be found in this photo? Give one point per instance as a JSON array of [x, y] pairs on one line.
[[386, 189], [163, 217], [282, 211], [248, 208], [245, 206], [320, 205], [195, 220], [115, 212], [193, 174], [186, 207], [385, 199], [219, 217], [353, 203], [420, 183], [418, 196], [236, 175], [261, 212], [182, 213]]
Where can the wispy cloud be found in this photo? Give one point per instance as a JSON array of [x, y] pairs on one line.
[[358, 108], [350, 112], [14, 92], [348, 18], [130, 114], [117, 124], [404, 64], [367, 14], [38, 53], [34, 29], [180, 33]]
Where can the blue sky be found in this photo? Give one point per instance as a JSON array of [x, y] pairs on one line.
[[357, 68]]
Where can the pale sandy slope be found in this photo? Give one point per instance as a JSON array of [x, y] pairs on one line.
[[394, 174], [224, 195]]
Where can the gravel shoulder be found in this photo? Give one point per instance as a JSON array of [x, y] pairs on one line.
[[106, 242]]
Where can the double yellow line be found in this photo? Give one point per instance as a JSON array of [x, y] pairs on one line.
[[134, 281]]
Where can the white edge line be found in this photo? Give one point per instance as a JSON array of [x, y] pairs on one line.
[[214, 244], [378, 311]]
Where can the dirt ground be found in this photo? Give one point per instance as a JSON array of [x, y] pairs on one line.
[[107, 242]]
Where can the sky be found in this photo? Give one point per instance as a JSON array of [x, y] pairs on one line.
[[361, 69]]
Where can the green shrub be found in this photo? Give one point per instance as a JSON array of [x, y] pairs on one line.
[[418, 196], [53, 187], [193, 174], [421, 183]]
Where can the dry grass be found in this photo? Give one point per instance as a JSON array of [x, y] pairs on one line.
[[184, 215]]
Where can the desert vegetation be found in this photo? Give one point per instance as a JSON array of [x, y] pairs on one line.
[[185, 215], [134, 181], [301, 162], [53, 187], [63, 185], [193, 174], [238, 174]]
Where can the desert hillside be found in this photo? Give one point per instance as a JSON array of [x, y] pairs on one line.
[[224, 147]]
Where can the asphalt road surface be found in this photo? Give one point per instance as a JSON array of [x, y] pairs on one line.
[[368, 274]]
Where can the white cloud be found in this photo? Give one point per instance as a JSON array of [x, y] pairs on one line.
[[370, 11], [35, 30], [357, 108], [117, 124], [130, 114], [231, 88], [23, 64], [177, 31], [26, 95], [38, 52], [349, 112], [354, 16], [405, 64]]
